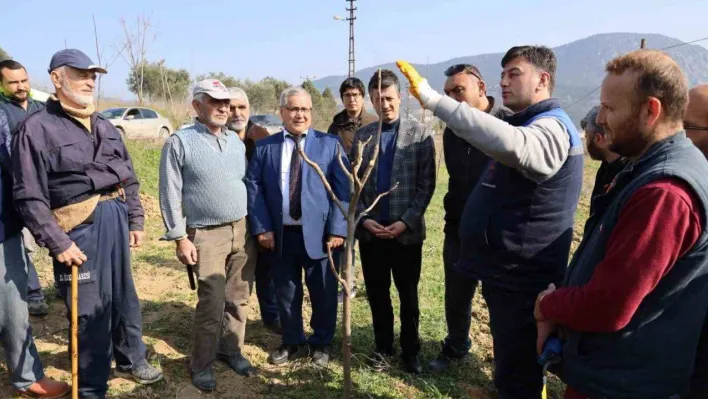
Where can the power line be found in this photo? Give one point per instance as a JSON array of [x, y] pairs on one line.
[[662, 49]]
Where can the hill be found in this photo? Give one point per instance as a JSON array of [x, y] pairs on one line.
[[580, 66]]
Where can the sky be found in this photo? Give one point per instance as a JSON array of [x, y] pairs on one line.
[[292, 40]]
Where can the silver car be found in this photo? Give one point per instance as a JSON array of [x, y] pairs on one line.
[[136, 122]]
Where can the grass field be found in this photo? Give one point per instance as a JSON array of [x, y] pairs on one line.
[[168, 306]]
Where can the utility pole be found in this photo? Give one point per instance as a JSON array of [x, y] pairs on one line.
[[350, 18]]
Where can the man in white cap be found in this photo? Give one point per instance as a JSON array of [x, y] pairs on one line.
[[204, 204], [76, 191]]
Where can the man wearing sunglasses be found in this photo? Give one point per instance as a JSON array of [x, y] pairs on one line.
[[465, 164], [695, 123], [517, 225]]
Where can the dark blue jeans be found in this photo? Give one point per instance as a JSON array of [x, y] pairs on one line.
[[110, 324], [22, 359], [321, 285]]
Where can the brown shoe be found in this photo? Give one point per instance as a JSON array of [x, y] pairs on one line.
[[46, 388]]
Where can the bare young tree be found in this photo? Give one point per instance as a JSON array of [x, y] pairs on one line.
[[99, 55], [356, 186], [135, 47]]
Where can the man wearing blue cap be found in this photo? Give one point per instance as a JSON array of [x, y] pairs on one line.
[[77, 192]]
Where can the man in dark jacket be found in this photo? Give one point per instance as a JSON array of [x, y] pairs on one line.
[[465, 164], [634, 299], [517, 225], [597, 144], [76, 190], [250, 133], [354, 116], [16, 102]]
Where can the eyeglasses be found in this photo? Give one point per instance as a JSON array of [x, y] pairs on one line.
[[459, 68], [688, 126], [352, 95], [295, 110]]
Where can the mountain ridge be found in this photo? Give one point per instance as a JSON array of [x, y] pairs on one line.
[[580, 67]]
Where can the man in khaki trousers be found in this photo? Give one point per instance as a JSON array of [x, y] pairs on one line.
[[204, 205]]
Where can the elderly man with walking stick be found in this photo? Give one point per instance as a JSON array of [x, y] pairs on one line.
[[77, 192]]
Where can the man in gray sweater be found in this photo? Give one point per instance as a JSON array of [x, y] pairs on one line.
[[201, 182]]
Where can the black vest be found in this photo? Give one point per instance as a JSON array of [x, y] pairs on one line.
[[515, 233], [653, 356]]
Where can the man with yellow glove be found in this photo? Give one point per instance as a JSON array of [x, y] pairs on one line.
[[517, 225]]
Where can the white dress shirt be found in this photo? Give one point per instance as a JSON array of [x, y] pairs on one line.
[[287, 154]]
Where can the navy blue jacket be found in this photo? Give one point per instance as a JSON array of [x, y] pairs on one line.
[[515, 233], [10, 223], [320, 215], [57, 162], [653, 355]]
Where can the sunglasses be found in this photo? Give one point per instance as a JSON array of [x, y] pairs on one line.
[[459, 68]]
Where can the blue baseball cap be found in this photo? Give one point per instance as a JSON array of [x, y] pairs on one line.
[[75, 59]]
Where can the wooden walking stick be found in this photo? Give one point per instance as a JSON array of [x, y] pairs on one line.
[[74, 331]]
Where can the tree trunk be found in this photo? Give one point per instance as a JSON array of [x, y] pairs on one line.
[[347, 302]]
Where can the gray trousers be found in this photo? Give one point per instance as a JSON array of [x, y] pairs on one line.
[[15, 330], [226, 271]]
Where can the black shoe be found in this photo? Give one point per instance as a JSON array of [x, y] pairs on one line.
[[320, 356], [275, 327], [204, 380], [440, 364], [412, 365], [284, 354], [238, 363], [444, 360]]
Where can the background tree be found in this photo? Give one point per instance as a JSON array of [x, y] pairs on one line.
[[135, 54], [3, 55], [159, 82]]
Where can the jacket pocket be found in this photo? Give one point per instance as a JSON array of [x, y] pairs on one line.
[[71, 156]]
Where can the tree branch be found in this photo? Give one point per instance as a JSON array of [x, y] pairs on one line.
[[339, 278], [359, 159], [328, 187], [341, 163], [376, 201]]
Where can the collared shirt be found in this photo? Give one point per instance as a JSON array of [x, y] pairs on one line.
[[286, 157]]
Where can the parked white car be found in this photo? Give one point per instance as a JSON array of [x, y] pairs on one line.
[[136, 122]]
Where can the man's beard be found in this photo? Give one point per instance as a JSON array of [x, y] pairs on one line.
[[594, 151], [14, 97], [632, 141], [237, 126], [82, 100]]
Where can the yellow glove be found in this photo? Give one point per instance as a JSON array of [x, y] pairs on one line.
[[419, 86]]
